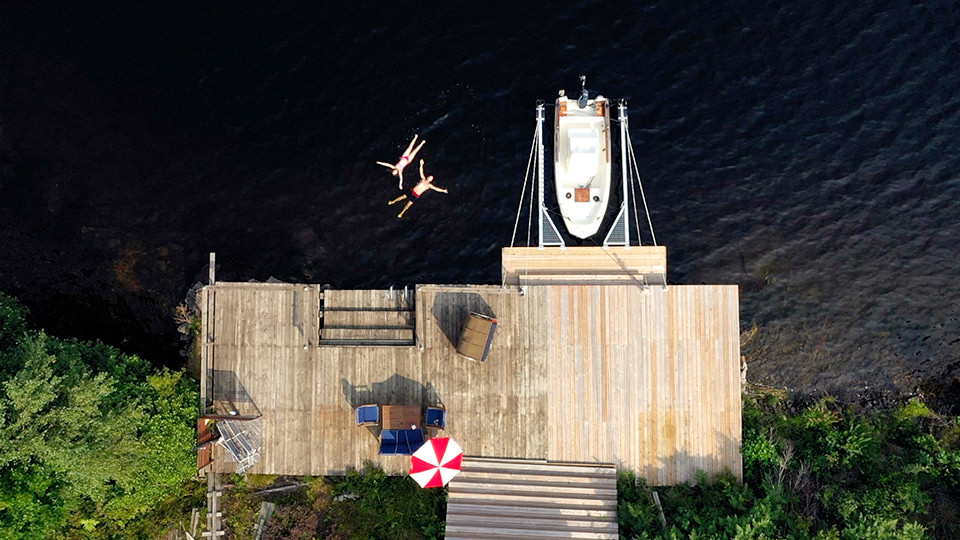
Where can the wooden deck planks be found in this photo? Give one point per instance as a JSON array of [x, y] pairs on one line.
[[637, 264], [643, 377], [654, 385]]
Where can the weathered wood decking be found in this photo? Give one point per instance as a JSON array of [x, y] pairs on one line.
[[646, 378], [634, 265], [494, 498]]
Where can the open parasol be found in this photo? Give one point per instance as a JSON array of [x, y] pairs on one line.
[[436, 462]]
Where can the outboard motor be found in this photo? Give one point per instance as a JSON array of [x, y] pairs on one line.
[[582, 102]]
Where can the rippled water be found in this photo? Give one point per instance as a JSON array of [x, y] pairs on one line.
[[807, 151]]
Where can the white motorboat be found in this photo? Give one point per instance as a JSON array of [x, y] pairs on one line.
[[582, 161]]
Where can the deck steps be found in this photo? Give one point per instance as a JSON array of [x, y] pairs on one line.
[[362, 317], [367, 317], [369, 299], [493, 498]]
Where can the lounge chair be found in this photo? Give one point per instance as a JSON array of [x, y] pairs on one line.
[[368, 415], [436, 418], [400, 441]]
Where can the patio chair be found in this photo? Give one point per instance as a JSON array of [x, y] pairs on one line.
[[368, 415], [436, 417]]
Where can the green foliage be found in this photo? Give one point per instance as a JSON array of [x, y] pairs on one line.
[[912, 410], [362, 504], [760, 451], [261, 481], [876, 528], [719, 509], [375, 505], [13, 327], [824, 471], [90, 440], [240, 508]]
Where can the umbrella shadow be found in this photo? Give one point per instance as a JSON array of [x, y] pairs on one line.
[[451, 309]]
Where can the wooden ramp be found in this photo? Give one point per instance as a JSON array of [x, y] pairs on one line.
[[642, 265], [501, 498]]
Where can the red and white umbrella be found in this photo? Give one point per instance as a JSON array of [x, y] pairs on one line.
[[436, 462]]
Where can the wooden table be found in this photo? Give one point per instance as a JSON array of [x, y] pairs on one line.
[[401, 416]]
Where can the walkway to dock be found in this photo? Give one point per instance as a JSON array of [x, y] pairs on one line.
[[214, 514], [497, 498]]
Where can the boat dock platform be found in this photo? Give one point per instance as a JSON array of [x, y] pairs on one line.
[[594, 360]]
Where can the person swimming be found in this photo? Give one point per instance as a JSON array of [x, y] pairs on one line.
[[425, 184], [405, 159]]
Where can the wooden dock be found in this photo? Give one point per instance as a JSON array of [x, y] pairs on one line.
[[645, 377], [636, 265], [496, 498]]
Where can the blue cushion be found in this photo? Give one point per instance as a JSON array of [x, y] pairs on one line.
[[400, 441], [415, 445], [436, 417], [368, 413], [389, 449]]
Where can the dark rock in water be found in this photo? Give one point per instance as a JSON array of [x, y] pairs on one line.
[[193, 295], [942, 393]]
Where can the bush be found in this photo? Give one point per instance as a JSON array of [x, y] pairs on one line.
[[822, 471], [374, 505], [91, 439]]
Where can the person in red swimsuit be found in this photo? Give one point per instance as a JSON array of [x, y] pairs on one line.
[[425, 184], [405, 159]]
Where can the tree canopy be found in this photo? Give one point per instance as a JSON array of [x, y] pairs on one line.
[[90, 438]]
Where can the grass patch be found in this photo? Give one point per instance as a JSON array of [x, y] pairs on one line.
[[361, 504]]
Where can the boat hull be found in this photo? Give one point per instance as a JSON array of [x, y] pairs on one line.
[[582, 163]]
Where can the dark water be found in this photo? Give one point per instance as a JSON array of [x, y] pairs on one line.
[[807, 151]]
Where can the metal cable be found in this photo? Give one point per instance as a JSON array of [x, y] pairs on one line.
[[642, 195], [636, 215], [533, 156], [523, 193], [633, 190]]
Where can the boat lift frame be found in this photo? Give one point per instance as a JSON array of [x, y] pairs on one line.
[[619, 233], [548, 235]]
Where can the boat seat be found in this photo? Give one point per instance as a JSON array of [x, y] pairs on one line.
[[583, 140], [580, 167], [584, 155]]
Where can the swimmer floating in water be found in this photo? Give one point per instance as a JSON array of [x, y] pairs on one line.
[[425, 184], [405, 159]]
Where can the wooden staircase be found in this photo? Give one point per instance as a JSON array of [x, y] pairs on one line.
[[367, 317], [502, 498]]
